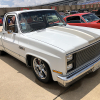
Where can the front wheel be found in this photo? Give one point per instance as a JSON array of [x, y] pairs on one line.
[[41, 70]]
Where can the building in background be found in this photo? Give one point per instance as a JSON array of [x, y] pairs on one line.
[[62, 2]]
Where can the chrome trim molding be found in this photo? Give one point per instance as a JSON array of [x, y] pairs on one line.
[[22, 48], [64, 79], [15, 55]]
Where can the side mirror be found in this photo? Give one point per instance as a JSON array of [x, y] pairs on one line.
[[9, 31]]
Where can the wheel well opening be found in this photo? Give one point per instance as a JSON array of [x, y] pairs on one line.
[[29, 57], [29, 63]]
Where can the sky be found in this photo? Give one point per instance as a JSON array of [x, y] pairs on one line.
[[21, 3]]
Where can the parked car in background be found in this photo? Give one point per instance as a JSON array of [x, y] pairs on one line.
[[94, 11], [98, 13], [1, 21], [83, 10], [67, 13], [73, 12], [63, 14], [83, 19]]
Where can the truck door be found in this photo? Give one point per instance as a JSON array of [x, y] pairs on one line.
[[10, 35]]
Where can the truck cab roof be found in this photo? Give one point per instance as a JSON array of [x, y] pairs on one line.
[[18, 12]]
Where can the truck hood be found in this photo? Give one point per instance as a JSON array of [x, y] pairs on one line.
[[68, 38]]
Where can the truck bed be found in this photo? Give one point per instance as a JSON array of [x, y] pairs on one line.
[[1, 28]]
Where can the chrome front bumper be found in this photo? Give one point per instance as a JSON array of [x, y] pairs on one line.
[[64, 80]]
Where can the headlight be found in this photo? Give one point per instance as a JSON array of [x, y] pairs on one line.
[[70, 66], [69, 57]]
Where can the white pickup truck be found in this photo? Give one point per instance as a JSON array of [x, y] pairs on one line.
[[55, 51]]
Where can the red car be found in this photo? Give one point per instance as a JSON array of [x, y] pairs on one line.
[[1, 21], [83, 19]]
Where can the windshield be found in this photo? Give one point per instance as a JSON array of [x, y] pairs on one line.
[[32, 21], [90, 17]]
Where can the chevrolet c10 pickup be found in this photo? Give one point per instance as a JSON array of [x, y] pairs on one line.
[[55, 51]]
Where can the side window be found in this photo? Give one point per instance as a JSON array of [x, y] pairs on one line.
[[10, 24], [73, 19]]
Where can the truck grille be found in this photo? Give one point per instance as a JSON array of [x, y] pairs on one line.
[[87, 54]]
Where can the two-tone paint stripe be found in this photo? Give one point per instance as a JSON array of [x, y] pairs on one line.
[[89, 36], [96, 36]]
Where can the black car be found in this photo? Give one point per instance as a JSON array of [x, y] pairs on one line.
[[98, 13], [83, 10], [74, 12]]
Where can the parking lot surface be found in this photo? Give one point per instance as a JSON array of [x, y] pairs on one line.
[[17, 82]]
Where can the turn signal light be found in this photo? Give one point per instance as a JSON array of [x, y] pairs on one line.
[[57, 72]]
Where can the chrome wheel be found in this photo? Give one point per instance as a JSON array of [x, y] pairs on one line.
[[40, 68]]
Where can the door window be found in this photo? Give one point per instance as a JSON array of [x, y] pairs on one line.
[[74, 19], [10, 24]]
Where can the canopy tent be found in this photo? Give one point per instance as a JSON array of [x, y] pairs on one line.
[[89, 2]]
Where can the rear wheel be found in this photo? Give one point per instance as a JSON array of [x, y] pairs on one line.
[[41, 70]]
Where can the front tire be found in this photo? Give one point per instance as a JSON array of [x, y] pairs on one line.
[[41, 70]]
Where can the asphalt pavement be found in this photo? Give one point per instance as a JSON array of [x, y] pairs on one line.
[[17, 82]]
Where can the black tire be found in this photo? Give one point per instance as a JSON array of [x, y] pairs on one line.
[[48, 77]]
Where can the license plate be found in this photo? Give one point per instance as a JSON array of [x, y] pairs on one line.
[[96, 66]]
